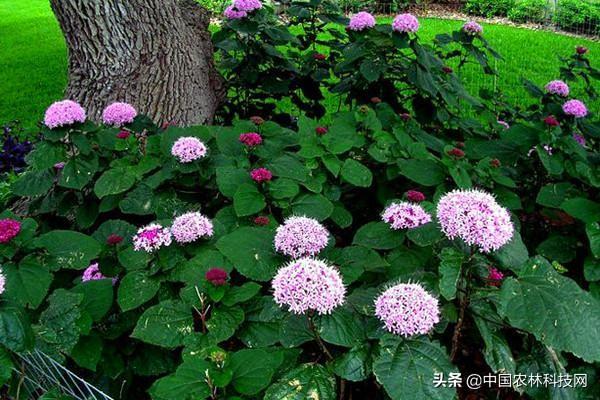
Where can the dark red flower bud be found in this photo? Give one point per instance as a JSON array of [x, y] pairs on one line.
[[216, 276], [581, 50], [123, 134], [415, 196], [261, 220], [375, 100], [404, 116], [319, 56], [114, 239], [321, 130], [495, 163], [256, 120], [447, 69], [550, 120], [460, 145], [456, 152]]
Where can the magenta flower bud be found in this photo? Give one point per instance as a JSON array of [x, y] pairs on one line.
[[415, 196], [113, 239], [251, 139], [216, 276], [9, 228], [550, 120], [494, 277], [261, 220], [123, 135], [261, 175], [321, 130]]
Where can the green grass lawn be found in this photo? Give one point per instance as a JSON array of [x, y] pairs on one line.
[[33, 58]]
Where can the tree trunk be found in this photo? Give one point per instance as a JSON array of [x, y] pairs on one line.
[[154, 54]]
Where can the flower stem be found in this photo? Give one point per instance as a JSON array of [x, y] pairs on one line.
[[313, 328]]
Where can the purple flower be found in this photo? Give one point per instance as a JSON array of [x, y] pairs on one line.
[[407, 309], [405, 215], [309, 284], [118, 114], [190, 227], [232, 13], [472, 28], [63, 113], [300, 237], [188, 149], [92, 273], [557, 87], [151, 237], [251, 139], [2, 282], [475, 217], [9, 228], [504, 124], [360, 21], [247, 5], [261, 175], [579, 139], [575, 108], [406, 23]]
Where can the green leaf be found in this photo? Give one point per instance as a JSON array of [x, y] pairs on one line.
[[78, 172], [354, 365], [378, 235], [253, 369], [591, 269], [247, 200], [295, 330], [283, 188], [136, 288], [581, 208], [356, 173], [288, 166], [313, 205], [593, 233], [69, 249], [497, 352], [424, 172], [59, 322], [513, 254], [425, 235], [553, 194], [553, 308], [450, 265], [114, 181], [6, 366], [115, 227], [165, 324], [230, 178], [240, 294], [308, 381], [27, 284], [33, 183], [97, 297], [406, 367], [558, 248], [223, 322], [251, 251], [15, 329], [87, 352], [341, 328], [187, 383]]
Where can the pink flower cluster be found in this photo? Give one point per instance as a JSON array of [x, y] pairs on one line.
[[2, 282], [93, 273], [119, 114], [251, 139], [405, 215], [407, 309], [190, 227], [309, 284], [472, 28], [151, 237], [9, 228], [475, 217], [261, 175], [557, 87], [580, 139], [63, 113], [232, 13], [406, 23], [361, 21], [300, 237], [247, 5], [188, 149], [575, 108]]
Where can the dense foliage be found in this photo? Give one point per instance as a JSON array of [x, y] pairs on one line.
[[162, 262]]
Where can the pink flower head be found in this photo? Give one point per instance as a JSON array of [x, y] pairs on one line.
[[92, 273], [557, 87], [361, 21], [188, 149], [216, 276], [247, 5], [472, 28], [232, 13], [59, 165], [2, 282], [504, 124], [494, 276], [251, 139], [9, 228], [301, 237], [261, 175], [475, 217], [575, 108], [63, 113], [579, 139], [415, 196], [406, 23], [405, 215], [119, 114], [151, 237], [309, 284], [190, 227], [407, 309]]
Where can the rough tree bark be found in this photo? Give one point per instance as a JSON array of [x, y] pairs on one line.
[[154, 54]]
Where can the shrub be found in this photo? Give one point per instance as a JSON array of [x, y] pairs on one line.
[[529, 11], [489, 8], [377, 249], [578, 15]]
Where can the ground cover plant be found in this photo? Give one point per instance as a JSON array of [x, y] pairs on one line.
[[374, 255]]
